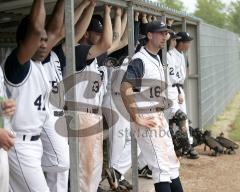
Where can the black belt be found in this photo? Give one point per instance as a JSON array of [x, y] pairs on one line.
[[147, 109], [33, 138], [178, 85], [95, 111], [91, 110], [85, 109], [117, 93], [58, 113]]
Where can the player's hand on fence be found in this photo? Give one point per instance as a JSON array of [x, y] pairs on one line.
[[93, 3], [147, 122], [6, 139], [85, 3], [144, 18], [149, 18], [108, 9], [136, 16], [170, 22], [118, 11], [180, 99], [8, 107]]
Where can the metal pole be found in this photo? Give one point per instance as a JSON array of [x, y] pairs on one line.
[[70, 70], [184, 24], [184, 29], [199, 77], [164, 56], [133, 139]]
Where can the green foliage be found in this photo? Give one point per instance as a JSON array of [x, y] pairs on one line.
[[174, 4], [212, 12], [234, 16]]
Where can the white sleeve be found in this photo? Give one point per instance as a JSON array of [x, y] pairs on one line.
[[171, 70], [2, 89], [182, 70]]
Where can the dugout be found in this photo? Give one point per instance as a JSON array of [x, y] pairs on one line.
[[214, 59]]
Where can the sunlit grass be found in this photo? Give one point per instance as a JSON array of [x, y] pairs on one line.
[[235, 132]]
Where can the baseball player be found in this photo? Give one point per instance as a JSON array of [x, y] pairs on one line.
[[173, 75], [6, 136], [177, 75], [119, 131], [116, 44], [55, 160], [90, 57], [143, 169], [27, 83], [141, 91]]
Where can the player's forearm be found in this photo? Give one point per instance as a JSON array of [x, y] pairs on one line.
[[124, 40], [79, 10], [56, 22], [37, 16], [129, 100], [144, 18], [82, 24], [117, 26], [116, 31], [106, 40], [124, 23]]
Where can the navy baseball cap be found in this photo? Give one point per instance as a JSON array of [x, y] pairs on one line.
[[95, 25], [157, 26], [184, 36], [173, 35]]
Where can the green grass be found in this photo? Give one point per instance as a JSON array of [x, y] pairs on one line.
[[235, 132]]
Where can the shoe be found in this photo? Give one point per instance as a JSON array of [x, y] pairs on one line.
[[112, 177], [193, 154], [102, 190], [145, 172], [125, 184]]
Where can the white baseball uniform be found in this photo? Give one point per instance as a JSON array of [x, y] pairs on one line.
[[177, 74], [55, 160], [156, 143], [90, 88], [28, 86], [119, 121]]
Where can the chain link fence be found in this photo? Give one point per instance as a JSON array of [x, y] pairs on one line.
[[220, 70]]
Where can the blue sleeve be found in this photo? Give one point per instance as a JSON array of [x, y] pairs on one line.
[[102, 59], [61, 56], [143, 27], [14, 71], [136, 31], [134, 74], [81, 52]]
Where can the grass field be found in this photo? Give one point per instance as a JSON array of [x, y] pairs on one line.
[[235, 132]]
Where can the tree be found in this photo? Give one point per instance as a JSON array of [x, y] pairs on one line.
[[234, 16], [174, 4], [212, 12]]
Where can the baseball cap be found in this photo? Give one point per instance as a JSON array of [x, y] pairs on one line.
[[156, 26], [184, 36], [173, 35], [95, 25]]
